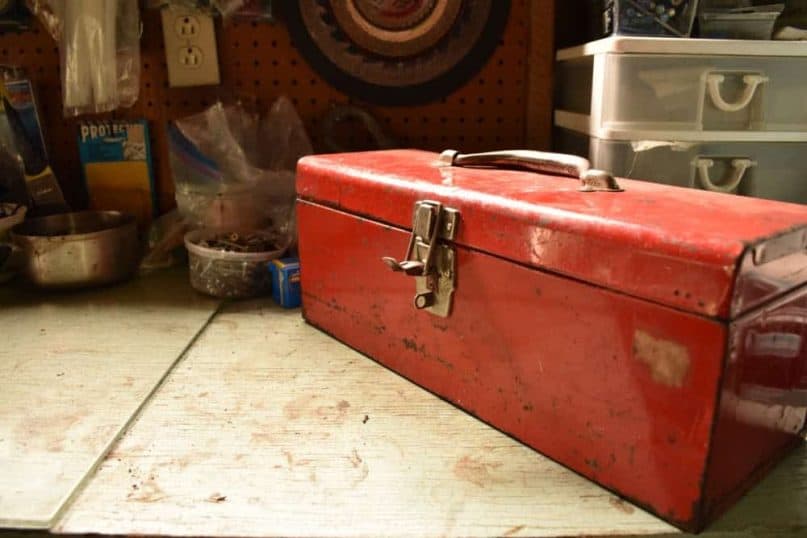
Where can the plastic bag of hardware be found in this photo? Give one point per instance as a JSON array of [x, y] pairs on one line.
[[165, 242], [99, 41], [234, 169]]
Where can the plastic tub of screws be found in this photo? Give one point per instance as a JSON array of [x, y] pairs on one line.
[[231, 264], [667, 18]]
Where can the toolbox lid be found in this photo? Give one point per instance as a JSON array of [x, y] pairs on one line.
[[712, 254]]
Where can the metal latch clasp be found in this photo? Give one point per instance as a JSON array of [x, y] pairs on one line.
[[432, 263]]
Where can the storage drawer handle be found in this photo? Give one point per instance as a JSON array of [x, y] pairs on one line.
[[739, 168], [752, 82], [537, 161]]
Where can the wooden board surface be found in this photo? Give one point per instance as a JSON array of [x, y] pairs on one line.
[[271, 428], [74, 368]]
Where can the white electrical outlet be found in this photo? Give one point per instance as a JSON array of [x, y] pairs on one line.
[[190, 48]]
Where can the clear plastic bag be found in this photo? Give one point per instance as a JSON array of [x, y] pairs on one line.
[[99, 42], [165, 242], [234, 169]]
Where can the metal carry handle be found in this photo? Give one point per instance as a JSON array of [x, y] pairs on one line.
[[537, 161]]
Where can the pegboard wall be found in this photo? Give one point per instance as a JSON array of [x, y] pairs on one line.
[[259, 63]]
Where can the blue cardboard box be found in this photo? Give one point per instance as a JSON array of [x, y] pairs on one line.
[[286, 282]]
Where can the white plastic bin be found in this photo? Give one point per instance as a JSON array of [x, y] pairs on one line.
[[777, 171], [686, 86]]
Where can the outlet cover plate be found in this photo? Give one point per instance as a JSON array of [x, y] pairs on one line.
[[190, 47]]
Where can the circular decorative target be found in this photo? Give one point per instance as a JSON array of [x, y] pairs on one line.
[[397, 51]]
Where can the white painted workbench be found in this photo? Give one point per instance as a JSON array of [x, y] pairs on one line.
[[267, 427], [74, 368]]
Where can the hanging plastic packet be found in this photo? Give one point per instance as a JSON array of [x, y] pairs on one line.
[[23, 146], [235, 170], [99, 42]]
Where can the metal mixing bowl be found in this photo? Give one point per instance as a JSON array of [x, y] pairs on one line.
[[75, 250]]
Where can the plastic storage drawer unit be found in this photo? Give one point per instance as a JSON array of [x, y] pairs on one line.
[[776, 171], [684, 87]]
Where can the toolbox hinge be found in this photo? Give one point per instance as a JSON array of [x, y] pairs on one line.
[[429, 259]]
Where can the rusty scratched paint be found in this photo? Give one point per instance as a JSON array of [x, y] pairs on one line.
[[668, 361]]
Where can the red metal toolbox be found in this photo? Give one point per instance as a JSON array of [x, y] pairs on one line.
[[648, 337]]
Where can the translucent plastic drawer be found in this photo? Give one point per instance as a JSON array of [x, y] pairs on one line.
[[686, 86], [777, 171]]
